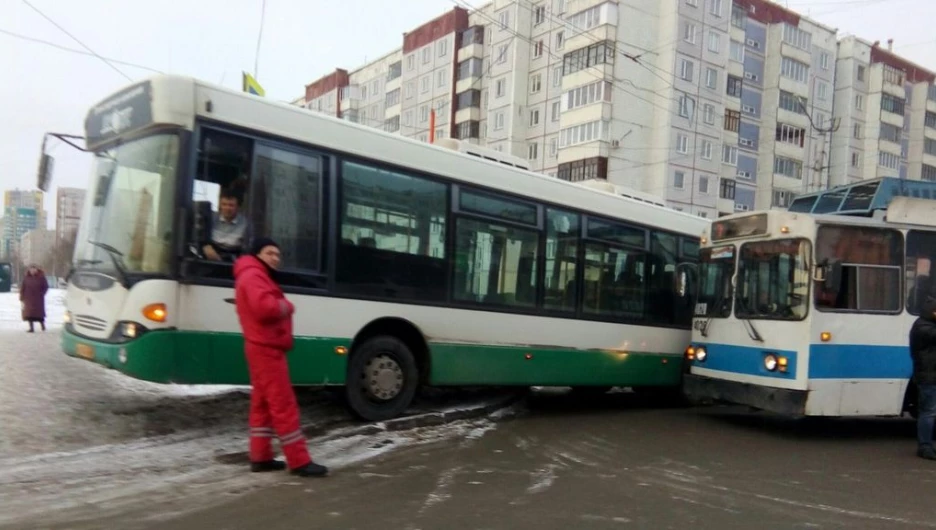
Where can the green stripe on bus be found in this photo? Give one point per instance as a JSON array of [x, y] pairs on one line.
[[189, 357]]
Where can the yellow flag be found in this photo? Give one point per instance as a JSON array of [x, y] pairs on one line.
[[251, 86]]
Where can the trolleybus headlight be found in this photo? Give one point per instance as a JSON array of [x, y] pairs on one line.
[[701, 354], [770, 362]]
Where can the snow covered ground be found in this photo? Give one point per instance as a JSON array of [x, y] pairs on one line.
[[11, 316]]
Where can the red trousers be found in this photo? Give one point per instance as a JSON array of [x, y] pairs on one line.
[[273, 408]]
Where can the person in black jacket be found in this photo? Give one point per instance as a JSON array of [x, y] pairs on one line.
[[923, 352]]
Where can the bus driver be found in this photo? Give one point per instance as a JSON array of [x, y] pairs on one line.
[[229, 229]]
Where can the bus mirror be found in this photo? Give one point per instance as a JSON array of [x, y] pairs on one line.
[[44, 177], [685, 280]]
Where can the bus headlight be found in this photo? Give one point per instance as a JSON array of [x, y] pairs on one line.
[[67, 318], [770, 362], [701, 354], [129, 330]]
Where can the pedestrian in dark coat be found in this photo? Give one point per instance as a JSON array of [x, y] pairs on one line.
[[266, 319], [32, 296], [923, 352]]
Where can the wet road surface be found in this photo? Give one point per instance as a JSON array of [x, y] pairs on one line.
[[567, 464]]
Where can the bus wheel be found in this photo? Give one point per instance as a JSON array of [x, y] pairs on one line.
[[382, 378]]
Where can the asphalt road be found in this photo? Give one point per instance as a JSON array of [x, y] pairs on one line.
[[617, 464]]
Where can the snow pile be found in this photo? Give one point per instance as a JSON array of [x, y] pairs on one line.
[[11, 316]]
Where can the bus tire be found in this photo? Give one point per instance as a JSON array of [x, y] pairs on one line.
[[382, 378]]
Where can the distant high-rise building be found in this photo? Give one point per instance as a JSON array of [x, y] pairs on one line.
[[22, 211], [69, 203], [36, 247]]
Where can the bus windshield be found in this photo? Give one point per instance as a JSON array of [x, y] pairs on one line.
[[127, 223], [773, 280], [717, 267]]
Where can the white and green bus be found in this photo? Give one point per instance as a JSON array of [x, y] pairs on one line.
[[409, 263]]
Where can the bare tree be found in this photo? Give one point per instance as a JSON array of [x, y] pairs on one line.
[[57, 261]]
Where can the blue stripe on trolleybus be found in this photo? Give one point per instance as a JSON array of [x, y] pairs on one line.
[[747, 360], [859, 361]]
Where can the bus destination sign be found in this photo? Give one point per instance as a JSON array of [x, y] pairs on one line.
[[127, 110], [747, 226]]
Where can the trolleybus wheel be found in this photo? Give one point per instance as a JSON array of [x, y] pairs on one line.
[[382, 378]]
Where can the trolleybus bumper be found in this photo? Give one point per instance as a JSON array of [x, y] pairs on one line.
[[777, 400]]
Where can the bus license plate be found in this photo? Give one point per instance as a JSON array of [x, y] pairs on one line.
[[85, 351]]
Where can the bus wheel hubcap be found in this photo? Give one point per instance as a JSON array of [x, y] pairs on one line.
[[383, 377]]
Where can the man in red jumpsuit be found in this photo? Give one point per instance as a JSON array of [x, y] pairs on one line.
[[266, 319]]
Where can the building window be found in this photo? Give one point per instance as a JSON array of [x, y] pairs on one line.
[[859, 102], [560, 40], [889, 160], [706, 149], [714, 42], [689, 32], [726, 189], [929, 173], [533, 151], [894, 76], [686, 69], [855, 159], [860, 75], [424, 113], [715, 7], [682, 143], [792, 102], [822, 91], [587, 19], [788, 167], [736, 51], [555, 111], [557, 77], [583, 133], [468, 129], [793, 69], [686, 106], [824, 60], [468, 99], [930, 120], [393, 98], [410, 61], [504, 18], [473, 35], [782, 198], [553, 147], [539, 15], [790, 134], [470, 68], [711, 78], [424, 84], [582, 58], [534, 117], [443, 47], [426, 55], [890, 133], [498, 120], [797, 37], [892, 104], [709, 114], [500, 88], [501, 54], [587, 94], [536, 83], [703, 184], [538, 49], [734, 86], [441, 78], [679, 180], [732, 120], [929, 146], [586, 169], [856, 131]]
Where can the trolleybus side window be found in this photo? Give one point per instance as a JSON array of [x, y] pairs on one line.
[[773, 280], [286, 205], [860, 269], [921, 253], [393, 233], [615, 270], [496, 250], [562, 243]]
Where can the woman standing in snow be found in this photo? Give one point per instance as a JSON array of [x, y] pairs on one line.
[[32, 296]]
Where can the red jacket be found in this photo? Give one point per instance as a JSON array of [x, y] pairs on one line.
[[264, 312]]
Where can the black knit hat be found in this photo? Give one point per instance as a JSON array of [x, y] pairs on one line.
[[260, 243]]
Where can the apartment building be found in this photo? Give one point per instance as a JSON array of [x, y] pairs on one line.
[[69, 203], [712, 105], [887, 108]]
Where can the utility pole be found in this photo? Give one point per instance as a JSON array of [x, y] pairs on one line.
[[833, 127]]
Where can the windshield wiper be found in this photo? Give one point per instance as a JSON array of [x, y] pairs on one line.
[[114, 255], [748, 325]]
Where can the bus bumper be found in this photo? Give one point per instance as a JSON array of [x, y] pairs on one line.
[[778, 400], [148, 357]]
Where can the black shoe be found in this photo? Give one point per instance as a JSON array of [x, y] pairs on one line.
[[269, 465], [310, 470], [927, 453]]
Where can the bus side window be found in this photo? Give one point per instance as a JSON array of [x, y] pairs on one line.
[[220, 230]]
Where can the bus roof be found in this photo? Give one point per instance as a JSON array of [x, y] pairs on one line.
[[179, 100]]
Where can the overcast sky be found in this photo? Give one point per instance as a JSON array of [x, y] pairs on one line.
[[45, 88]]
